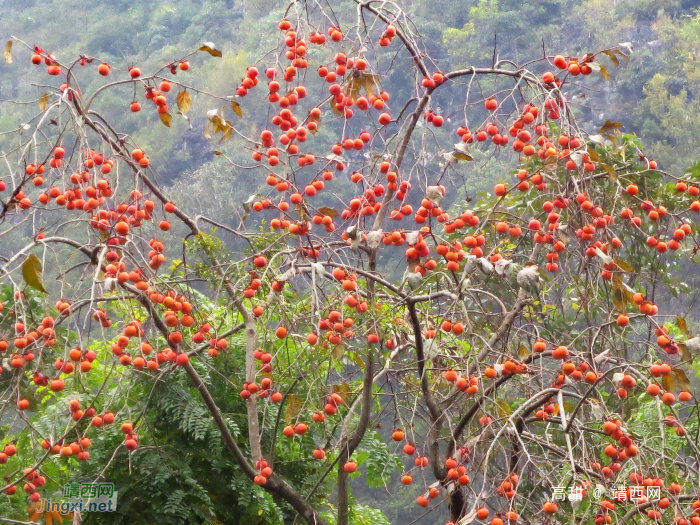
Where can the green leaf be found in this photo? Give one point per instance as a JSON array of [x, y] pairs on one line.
[[32, 273]]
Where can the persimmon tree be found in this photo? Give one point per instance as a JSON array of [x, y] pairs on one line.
[[510, 343]]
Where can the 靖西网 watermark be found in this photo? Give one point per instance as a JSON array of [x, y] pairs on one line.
[[83, 497]]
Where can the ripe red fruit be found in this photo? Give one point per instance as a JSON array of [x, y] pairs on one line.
[[559, 61], [653, 389], [350, 467], [103, 69], [384, 119]]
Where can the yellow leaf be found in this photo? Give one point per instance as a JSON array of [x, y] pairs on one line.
[[294, 406], [593, 154], [523, 352], [358, 361], [210, 48], [609, 126], [624, 265], [604, 72], [228, 132], [32, 273], [8, 52], [626, 57], [619, 298], [317, 120], [686, 356], [334, 105], [550, 164], [44, 101], [184, 101], [343, 391], [369, 82], [166, 118], [338, 351], [462, 156], [331, 212], [681, 379], [612, 174], [669, 382], [682, 325], [502, 408], [236, 107], [354, 86], [611, 55]]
